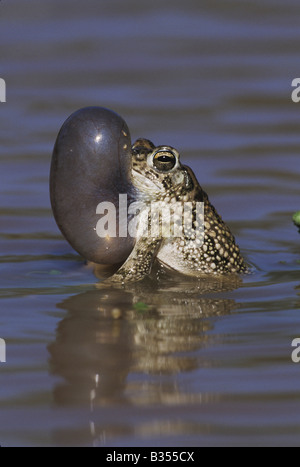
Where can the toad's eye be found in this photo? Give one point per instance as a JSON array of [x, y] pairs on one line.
[[164, 161]]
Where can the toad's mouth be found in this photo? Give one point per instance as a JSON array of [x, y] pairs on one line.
[[145, 185]]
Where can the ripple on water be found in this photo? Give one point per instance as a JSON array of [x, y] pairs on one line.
[[172, 361]]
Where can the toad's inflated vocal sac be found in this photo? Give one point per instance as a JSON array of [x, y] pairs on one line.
[[94, 162]]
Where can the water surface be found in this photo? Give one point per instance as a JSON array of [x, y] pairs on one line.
[[170, 361]]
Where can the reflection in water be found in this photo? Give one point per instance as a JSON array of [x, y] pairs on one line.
[[121, 345]]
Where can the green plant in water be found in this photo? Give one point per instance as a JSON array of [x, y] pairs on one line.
[[296, 219], [141, 307]]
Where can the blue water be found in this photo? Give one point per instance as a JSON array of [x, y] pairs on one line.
[[168, 362]]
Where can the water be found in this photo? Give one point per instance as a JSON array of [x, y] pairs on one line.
[[173, 362]]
